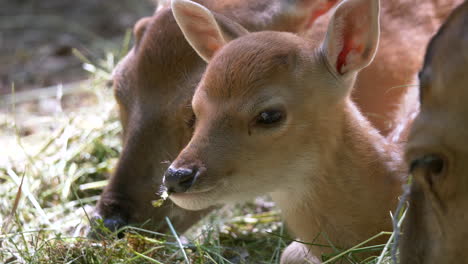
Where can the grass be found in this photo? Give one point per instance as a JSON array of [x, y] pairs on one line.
[[54, 168]]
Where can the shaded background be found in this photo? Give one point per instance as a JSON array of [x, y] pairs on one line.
[[37, 37]]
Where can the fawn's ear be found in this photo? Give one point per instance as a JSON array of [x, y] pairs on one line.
[[140, 28], [352, 36], [203, 31]]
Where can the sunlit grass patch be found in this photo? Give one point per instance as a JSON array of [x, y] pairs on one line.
[[56, 172]]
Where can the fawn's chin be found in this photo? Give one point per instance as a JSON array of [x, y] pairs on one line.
[[195, 200]]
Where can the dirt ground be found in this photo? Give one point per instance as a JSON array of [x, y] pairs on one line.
[[37, 37]]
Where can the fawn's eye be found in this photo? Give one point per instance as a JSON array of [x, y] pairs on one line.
[[270, 117], [432, 164]]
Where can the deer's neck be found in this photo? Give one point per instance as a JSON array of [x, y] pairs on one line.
[[359, 174]]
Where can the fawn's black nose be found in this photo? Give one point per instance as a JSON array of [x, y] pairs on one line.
[[179, 180], [113, 223]]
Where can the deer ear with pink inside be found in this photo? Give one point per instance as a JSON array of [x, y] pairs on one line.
[[352, 36]]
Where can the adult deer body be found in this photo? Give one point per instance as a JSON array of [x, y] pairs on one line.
[[274, 115], [435, 228], [153, 86]]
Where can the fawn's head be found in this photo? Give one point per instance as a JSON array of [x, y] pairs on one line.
[[436, 229], [265, 104]]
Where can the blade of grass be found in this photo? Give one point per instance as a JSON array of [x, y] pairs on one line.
[[178, 239], [302, 242], [28, 194], [143, 255], [6, 223], [93, 185], [277, 253], [400, 212]]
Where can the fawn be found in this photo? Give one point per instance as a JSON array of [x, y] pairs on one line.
[[435, 227], [273, 115], [153, 87]]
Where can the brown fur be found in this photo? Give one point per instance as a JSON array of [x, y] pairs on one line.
[[153, 86], [435, 229], [334, 177]]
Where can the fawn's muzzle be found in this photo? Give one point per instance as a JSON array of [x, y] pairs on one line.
[[178, 180]]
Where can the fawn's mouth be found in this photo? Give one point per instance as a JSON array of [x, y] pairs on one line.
[[196, 199], [191, 194], [165, 192]]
